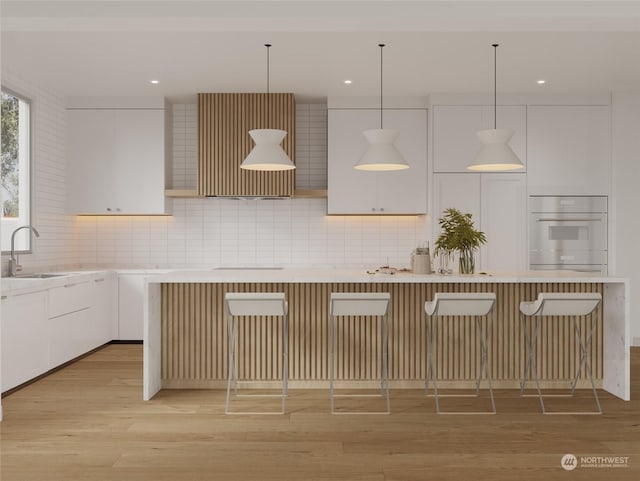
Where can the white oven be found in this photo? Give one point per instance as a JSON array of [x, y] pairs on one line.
[[568, 233]]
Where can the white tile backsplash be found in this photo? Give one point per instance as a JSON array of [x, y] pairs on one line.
[[212, 232]]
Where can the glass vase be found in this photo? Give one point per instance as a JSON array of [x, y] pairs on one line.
[[445, 261], [467, 262]]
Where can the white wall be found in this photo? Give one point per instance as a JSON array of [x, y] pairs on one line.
[[211, 232], [626, 197], [55, 245]]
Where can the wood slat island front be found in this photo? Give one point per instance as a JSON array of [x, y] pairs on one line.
[[186, 340]]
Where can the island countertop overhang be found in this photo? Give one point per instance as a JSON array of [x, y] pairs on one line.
[[327, 275]]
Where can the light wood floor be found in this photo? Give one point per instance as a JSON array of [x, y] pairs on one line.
[[88, 422]]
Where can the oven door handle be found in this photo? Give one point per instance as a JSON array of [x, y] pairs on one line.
[[595, 219]]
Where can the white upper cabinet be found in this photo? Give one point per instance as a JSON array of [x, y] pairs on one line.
[[115, 160], [454, 133], [352, 191], [568, 150]]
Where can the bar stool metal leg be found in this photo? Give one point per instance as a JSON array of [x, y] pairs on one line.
[[385, 372], [285, 359], [331, 360], [485, 337], [435, 384], [232, 374], [584, 347]]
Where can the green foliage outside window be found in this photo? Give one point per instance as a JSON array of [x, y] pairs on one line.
[[9, 168]]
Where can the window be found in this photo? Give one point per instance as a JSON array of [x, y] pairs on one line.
[[15, 170]]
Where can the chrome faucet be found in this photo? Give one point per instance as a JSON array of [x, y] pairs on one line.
[[14, 267]]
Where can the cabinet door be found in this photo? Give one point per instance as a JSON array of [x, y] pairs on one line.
[[70, 336], [25, 338], [454, 133], [568, 150], [139, 161], [103, 321], [130, 306], [115, 161], [91, 148], [405, 191], [504, 221], [350, 191]]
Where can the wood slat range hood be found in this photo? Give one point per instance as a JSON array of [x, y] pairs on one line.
[[224, 122]]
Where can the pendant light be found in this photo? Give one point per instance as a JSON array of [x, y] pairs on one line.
[[381, 154], [495, 154], [267, 154]]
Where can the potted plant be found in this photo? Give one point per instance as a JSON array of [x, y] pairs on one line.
[[459, 235]]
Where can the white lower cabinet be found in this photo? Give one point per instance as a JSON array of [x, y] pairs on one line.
[[25, 338], [42, 330], [104, 326], [70, 321], [69, 336], [130, 306], [498, 203]]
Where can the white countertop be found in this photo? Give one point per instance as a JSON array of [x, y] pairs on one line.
[[360, 276], [12, 286], [15, 286]]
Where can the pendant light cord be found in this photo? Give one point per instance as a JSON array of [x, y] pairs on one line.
[[381, 45], [267, 110], [495, 85]]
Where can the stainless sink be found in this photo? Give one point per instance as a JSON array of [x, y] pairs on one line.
[[38, 276]]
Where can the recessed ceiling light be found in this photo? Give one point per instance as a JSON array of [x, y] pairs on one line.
[[154, 82], [348, 82], [540, 82]]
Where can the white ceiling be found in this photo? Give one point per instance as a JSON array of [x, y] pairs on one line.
[[87, 47]]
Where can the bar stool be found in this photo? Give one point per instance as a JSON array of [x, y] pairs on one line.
[[573, 305], [360, 304], [460, 304], [255, 304]]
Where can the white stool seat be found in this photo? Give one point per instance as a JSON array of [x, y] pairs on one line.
[[371, 304], [252, 304], [461, 304], [570, 304], [561, 304], [457, 305]]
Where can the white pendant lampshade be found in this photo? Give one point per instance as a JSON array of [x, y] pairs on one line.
[[382, 154], [495, 154], [267, 154]]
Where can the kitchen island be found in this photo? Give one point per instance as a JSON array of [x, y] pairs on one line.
[[185, 343]]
